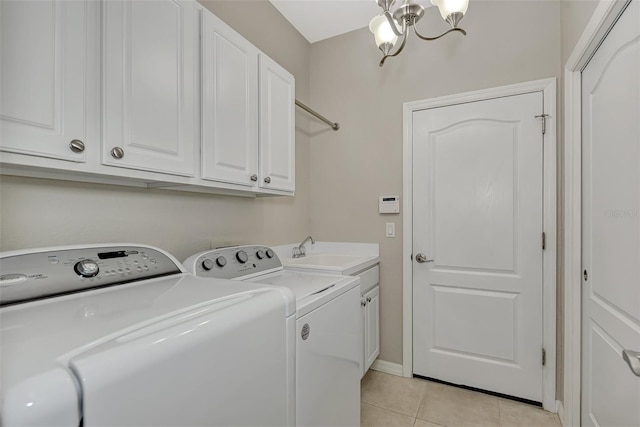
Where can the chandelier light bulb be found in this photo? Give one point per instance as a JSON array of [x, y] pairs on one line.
[[382, 31], [449, 7]]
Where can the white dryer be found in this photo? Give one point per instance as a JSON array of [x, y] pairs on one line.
[[121, 335], [328, 329]]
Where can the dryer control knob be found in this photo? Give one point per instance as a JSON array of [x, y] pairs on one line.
[[207, 264], [242, 257], [270, 253], [86, 268], [221, 261], [260, 254]]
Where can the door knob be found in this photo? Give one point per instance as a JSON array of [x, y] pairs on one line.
[[267, 179], [254, 177], [422, 258], [633, 360]]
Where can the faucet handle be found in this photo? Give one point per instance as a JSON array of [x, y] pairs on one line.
[[296, 252]]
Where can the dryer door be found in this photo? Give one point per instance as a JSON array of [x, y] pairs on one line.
[[223, 363]]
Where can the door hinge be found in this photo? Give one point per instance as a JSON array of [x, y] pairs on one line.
[[544, 240], [544, 122], [544, 357]]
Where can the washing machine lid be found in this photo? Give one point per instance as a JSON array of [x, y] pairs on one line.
[[40, 338], [310, 289]]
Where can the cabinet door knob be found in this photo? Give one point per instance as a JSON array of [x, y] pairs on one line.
[[254, 177], [76, 146], [117, 152], [267, 179], [368, 299], [363, 303]]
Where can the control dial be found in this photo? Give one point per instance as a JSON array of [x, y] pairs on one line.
[[260, 254], [86, 268], [270, 253], [242, 257], [221, 261], [207, 264]]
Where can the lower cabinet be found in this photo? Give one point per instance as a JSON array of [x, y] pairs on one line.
[[370, 311]]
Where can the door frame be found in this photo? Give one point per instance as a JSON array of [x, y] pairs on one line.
[[603, 18], [548, 87]]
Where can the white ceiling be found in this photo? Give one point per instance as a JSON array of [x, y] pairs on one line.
[[321, 19]]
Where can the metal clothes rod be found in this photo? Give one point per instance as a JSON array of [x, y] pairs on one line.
[[334, 125]]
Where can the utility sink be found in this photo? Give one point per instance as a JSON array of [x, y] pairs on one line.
[[326, 260], [331, 263]]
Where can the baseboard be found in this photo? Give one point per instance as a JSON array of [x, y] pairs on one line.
[[387, 367], [560, 408]]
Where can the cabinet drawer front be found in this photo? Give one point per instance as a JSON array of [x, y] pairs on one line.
[[43, 77], [230, 105], [150, 53]]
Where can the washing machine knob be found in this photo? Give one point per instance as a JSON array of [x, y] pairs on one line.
[[207, 264], [270, 253], [242, 257], [221, 261], [86, 268], [260, 254]]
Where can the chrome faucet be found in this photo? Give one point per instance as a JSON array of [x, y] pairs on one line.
[[300, 251]]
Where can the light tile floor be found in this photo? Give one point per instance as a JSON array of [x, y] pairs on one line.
[[390, 401]]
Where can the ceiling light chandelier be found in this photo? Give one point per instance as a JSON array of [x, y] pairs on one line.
[[388, 26]]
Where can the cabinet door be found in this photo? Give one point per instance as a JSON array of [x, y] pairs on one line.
[[230, 105], [372, 327], [149, 92], [277, 123], [43, 77]]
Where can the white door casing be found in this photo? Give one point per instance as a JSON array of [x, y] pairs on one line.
[[547, 87], [477, 209], [43, 78], [150, 52], [230, 104], [611, 225]]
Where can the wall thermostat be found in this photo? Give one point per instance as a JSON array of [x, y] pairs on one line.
[[389, 204]]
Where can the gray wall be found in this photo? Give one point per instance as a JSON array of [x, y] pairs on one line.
[[508, 42], [37, 212]]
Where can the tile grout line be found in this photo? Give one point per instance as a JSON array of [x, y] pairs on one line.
[[391, 410]]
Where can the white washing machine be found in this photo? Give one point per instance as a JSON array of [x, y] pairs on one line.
[[328, 330], [121, 335]]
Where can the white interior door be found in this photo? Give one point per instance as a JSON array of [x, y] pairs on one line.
[[611, 226], [477, 214]]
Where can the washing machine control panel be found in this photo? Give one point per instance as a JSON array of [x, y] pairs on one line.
[[233, 262], [46, 273]]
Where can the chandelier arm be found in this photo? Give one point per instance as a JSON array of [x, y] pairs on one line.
[[404, 41], [393, 25], [460, 30]]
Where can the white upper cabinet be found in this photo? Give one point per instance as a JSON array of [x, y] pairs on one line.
[[277, 123], [43, 78], [229, 105], [149, 89]]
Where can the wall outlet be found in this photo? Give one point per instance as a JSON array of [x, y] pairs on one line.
[[391, 229]]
